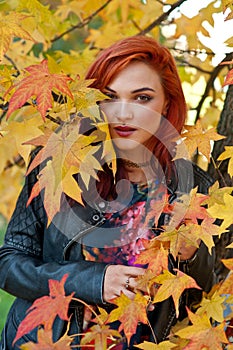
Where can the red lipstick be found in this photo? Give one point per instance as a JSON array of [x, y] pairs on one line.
[[124, 130]]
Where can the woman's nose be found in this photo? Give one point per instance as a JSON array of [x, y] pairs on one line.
[[123, 111]]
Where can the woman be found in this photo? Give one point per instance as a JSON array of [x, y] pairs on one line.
[[96, 245]]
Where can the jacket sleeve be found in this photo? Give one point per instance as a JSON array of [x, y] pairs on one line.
[[23, 269]]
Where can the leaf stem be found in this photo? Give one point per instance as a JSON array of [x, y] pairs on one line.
[[90, 308]]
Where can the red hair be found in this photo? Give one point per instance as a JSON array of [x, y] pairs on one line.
[[113, 59]]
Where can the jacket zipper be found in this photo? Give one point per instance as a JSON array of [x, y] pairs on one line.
[[80, 235]]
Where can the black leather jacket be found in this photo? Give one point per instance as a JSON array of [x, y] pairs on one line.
[[34, 253]]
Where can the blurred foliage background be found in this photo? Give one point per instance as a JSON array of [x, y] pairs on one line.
[[71, 33]]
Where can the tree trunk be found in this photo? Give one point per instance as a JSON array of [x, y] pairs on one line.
[[225, 127]]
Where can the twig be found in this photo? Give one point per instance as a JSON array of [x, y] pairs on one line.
[[83, 23], [161, 18], [14, 65], [210, 84], [218, 171]]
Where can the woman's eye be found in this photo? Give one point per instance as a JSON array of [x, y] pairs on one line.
[[143, 98], [110, 96]]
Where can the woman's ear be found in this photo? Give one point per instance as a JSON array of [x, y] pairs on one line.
[[165, 107]]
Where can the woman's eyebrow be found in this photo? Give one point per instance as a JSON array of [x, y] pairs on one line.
[[143, 89], [134, 91]]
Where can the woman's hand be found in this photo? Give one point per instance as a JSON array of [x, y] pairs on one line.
[[120, 278]]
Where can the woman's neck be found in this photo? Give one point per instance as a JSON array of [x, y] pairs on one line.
[[138, 172]]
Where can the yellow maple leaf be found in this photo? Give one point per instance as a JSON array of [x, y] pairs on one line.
[[124, 7], [10, 185], [227, 285], [228, 153], [98, 335], [173, 285], [212, 306], [109, 153], [70, 153], [202, 334], [45, 341], [164, 345], [10, 27], [23, 131], [195, 137], [216, 194], [223, 211]]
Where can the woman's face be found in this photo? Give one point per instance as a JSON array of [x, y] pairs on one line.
[[135, 106]]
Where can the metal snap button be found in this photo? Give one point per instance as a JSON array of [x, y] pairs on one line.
[[101, 205], [95, 217]]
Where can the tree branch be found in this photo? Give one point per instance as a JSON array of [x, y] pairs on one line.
[[161, 18], [83, 23], [210, 83]]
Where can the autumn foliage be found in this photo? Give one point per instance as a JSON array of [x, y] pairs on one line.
[[45, 48]]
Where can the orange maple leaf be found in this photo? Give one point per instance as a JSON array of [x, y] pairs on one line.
[[197, 137], [45, 309], [158, 204], [129, 313], [189, 207], [38, 84], [173, 285], [229, 77], [155, 256], [201, 334], [45, 342]]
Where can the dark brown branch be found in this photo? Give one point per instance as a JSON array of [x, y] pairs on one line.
[[161, 18], [210, 84], [14, 65], [82, 24]]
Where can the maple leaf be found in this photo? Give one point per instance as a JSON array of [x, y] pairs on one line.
[[226, 286], [45, 342], [223, 211], [216, 194], [207, 230], [155, 256], [196, 137], [45, 309], [109, 153], [129, 313], [173, 285], [202, 334], [69, 153], [228, 153], [10, 27], [165, 345], [158, 205], [99, 335], [22, 131], [188, 234], [189, 207], [38, 84], [212, 306], [147, 282]]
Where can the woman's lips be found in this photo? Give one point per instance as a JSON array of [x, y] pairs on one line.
[[124, 131]]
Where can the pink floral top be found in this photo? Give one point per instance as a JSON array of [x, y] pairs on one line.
[[139, 220]]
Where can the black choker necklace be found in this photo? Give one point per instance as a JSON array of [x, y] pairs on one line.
[[131, 164]]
